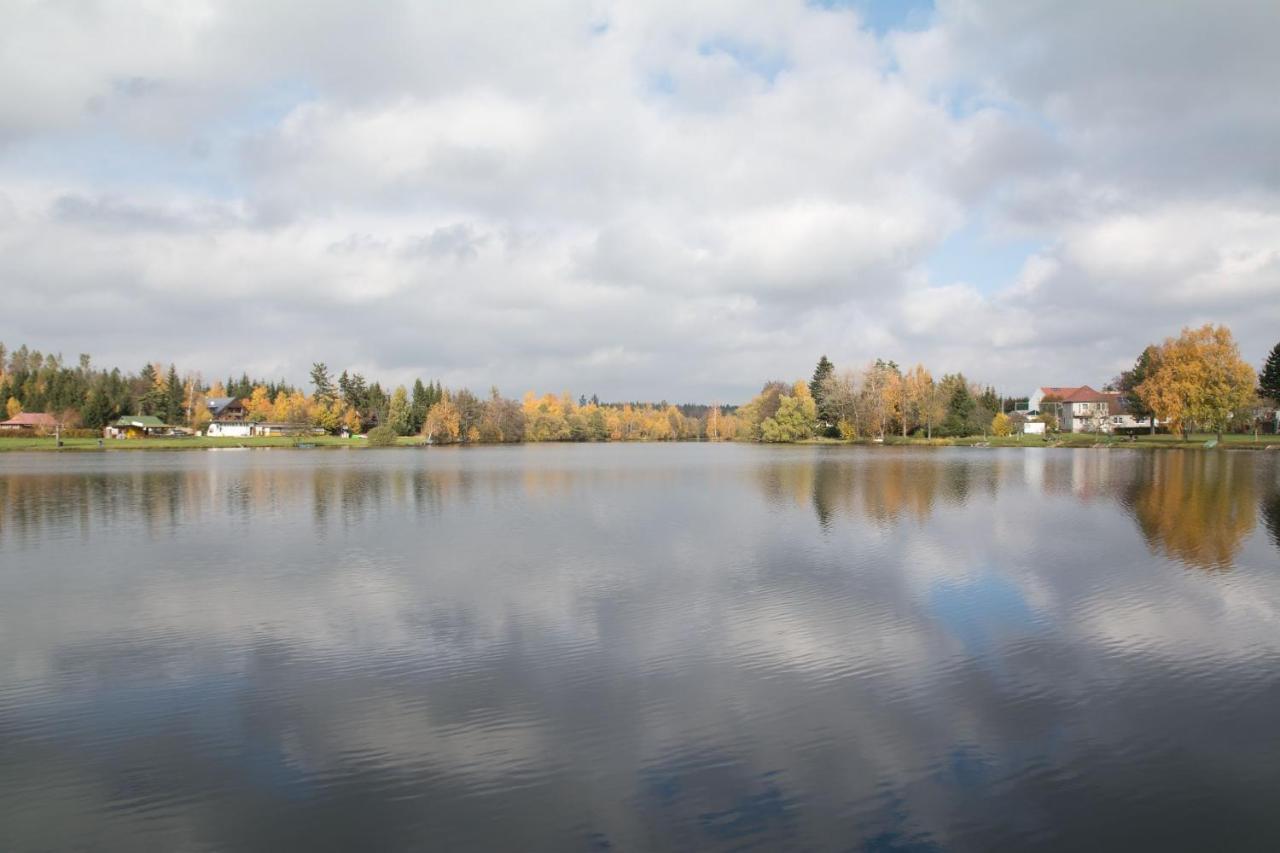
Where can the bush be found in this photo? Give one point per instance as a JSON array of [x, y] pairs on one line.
[[382, 436]]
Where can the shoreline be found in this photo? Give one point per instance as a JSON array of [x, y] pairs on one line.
[[47, 444]]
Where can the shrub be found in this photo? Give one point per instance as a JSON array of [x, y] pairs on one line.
[[382, 436]]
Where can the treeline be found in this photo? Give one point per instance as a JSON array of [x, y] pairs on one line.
[[872, 402], [1197, 380]]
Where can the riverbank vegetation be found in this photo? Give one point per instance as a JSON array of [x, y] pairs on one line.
[[1196, 381]]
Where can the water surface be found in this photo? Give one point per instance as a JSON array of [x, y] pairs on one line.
[[669, 647]]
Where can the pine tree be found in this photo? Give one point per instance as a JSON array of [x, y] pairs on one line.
[[324, 385], [1269, 383], [418, 410], [1128, 384], [96, 412], [821, 373], [1269, 377], [173, 408]]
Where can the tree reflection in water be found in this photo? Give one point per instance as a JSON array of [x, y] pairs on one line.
[[1194, 506]]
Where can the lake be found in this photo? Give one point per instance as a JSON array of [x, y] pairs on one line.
[[640, 647]]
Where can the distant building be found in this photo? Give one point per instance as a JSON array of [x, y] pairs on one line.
[[136, 426], [229, 429], [247, 429], [1055, 391], [1083, 409], [30, 422]]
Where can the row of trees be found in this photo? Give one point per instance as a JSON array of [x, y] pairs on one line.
[[1194, 381], [878, 400]]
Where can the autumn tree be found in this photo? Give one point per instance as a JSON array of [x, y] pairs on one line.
[[200, 415], [759, 409], [794, 420], [1001, 425], [441, 425], [12, 408], [1199, 379], [841, 391], [879, 395], [399, 415]]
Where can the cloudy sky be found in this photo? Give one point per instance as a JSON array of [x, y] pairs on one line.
[[641, 200]]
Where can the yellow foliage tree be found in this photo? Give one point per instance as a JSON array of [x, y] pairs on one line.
[[351, 420], [259, 406], [1198, 379], [292, 408], [1001, 425], [13, 408], [200, 415], [442, 423], [917, 394]]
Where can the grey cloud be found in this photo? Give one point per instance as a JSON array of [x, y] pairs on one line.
[[503, 196]]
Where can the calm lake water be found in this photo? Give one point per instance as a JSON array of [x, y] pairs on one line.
[[635, 647]]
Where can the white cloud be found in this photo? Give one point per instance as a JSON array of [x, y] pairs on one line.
[[638, 200]]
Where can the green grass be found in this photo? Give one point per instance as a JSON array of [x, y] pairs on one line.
[[1194, 441], [193, 443]]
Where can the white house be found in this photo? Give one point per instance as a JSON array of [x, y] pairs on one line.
[[229, 429], [246, 429], [1082, 409]]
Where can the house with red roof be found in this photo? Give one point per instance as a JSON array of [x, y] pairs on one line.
[[30, 422], [1084, 409]]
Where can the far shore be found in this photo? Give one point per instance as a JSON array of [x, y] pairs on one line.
[[1071, 440]]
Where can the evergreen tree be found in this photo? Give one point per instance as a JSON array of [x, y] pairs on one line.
[[960, 406], [418, 409], [818, 391], [1269, 377], [150, 397], [323, 384], [1128, 383], [174, 411], [96, 412]]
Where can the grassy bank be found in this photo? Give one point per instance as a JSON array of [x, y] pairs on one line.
[[1193, 442], [193, 443]]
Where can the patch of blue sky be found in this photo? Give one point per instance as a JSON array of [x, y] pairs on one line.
[[975, 256], [661, 83], [962, 99], [884, 16], [204, 161], [982, 611], [107, 161], [758, 60]]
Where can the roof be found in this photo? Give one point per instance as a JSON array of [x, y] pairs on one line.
[[31, 419], [1116, 403], [139, 421], [1059, 391], [1085, 394], [217, 404]]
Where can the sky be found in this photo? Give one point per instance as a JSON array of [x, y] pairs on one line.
[[648, 200]]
